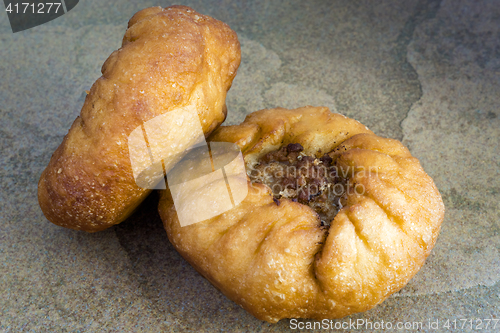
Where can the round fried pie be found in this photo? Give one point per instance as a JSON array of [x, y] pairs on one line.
[[297, 248]]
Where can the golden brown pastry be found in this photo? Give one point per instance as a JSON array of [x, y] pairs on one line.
[[282, 254], [171, 59]]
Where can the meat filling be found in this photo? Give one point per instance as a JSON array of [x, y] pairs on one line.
[[311, 181]]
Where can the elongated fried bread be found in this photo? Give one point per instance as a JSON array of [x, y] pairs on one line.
[[170, 59], [277, 254]]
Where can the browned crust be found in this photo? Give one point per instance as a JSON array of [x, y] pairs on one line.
[[278, 261], [172, 57]]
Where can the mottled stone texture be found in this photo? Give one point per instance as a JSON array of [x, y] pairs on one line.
[[425, 72]]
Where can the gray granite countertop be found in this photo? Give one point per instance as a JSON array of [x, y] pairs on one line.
[[424, 72]]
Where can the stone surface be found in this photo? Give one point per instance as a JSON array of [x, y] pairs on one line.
[[424, 72]]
